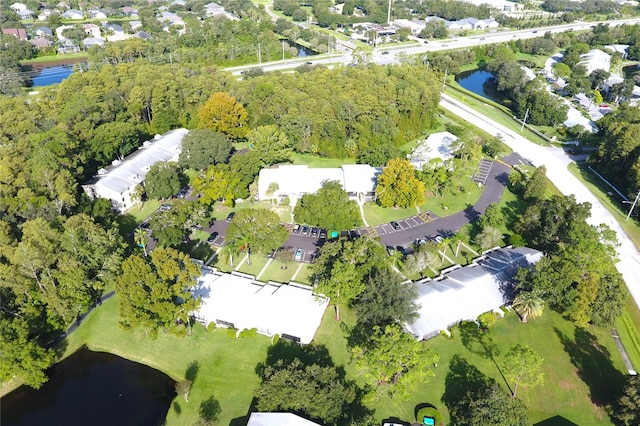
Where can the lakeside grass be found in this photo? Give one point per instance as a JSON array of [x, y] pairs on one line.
[[51, 58], [224, 363]]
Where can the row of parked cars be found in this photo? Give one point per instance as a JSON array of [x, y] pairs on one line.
[[305, 230]]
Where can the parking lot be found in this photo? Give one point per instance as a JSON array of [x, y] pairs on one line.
[[309, 241]]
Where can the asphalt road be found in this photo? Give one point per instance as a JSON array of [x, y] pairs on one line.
[[556, 161]]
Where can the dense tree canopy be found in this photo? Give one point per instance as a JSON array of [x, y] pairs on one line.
[[398, 186], [312, 390], [163, 181], [260, 229], [202, 148], [155, 293], [221, 113], [329, 208]]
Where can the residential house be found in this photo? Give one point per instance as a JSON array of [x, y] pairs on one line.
[[118, 181], [358, 180], [17, 7], [97, 14], [20, 33], [45, 14], [135, 25], [66, 45], [213, 9], [73, 14], [169, 18], [179, 3], [143, 35], [92, 30], [437, 145], [490, 23], [129, 11], [239, 301], [278, 419], [115, 31], [41, 42], [415, 26], [463, 293], [25, 14], [501, 5], [41, 32], [622, 49], [92, 41], [596, 59]]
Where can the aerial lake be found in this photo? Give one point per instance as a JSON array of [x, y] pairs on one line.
[[52, 72], [479, 82], [92, 388]]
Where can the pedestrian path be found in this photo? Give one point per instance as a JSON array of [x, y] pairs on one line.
[[623, 352], [295, 274], [364, 219], [264, 268]]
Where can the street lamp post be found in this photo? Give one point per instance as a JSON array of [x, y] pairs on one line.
[[633, 205]]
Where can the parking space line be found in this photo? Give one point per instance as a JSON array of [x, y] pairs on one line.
[[380, 229], [372, 231], [424, 216]]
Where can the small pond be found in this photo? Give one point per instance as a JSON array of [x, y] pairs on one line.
[[92, 388], [480, 82], [52, 72]]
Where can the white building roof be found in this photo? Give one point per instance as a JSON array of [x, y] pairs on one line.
[[596, 59], [297, 180], [465, 293], [272, 308], [437, 145], [278, 419], [121, 176]]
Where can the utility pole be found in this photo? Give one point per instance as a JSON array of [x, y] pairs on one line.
[[259, 54], [526, 114], [283, 50], [633, 205], [389, 14]]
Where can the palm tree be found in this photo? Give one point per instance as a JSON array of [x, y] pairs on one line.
[[136, 195], [140, 237], [229, 250], [528, 305]]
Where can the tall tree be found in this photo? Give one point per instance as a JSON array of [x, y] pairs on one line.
[[386, 300], [398, 186], [329, 208], [627, 408], [155, 293], [319, 392], [536, 185], [163, 181], [528, 304], [270, 144], [495, 408], [395, 358], [262, 228], [203, 147], [222, 113], [523, 366]]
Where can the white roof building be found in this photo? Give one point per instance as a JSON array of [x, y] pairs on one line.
[[237, 300], [278, 419], [502, 5], [358, 180], [465, 293], [117, 182], [437, 145], [596, 59]]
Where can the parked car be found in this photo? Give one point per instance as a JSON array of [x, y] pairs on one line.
[[231, 215], [298, 255], [396, 226], [305, 230], [308, 63], [323, 233], [165, 207], [438, 239], [296, 228], [386, 52], [212, 237], [314, 232]]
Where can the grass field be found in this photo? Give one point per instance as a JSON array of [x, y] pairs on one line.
[[581, 366], [226, 367], [315, 161]]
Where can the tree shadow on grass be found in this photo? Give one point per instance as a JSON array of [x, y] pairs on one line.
[[594, 366], [209, 411], [288, 351], [462, 379], [192, 371]]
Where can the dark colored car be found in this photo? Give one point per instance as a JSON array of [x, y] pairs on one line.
[[231, 215], [212, 237], [386, 52], [144, 225], [305, 230], [323, 233], [396, 226], [314, 232]]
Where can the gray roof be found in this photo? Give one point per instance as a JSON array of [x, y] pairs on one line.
[[46, 30], [465, 293], [132, 170]]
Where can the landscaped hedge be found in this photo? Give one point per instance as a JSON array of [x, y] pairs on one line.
[[246, 333], [232, 333], [211, 326], [429, 412]]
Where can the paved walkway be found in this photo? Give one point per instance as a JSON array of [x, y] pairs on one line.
[[264, 268], [623, 352]]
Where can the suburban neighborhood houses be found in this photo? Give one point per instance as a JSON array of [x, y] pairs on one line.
[[282, 213]]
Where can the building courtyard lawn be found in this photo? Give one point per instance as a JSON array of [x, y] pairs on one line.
[[275, 272], [257, 263]]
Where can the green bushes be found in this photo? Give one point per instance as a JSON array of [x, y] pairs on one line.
[[211, 326], [487, 320], [232, 333], [247, 333], [429, 411], [275, 339]]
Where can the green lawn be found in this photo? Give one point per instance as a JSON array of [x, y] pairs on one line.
[[257, 263], [305, 276], [578, 363], [275, 272], [377, 215], [220, 211], [315, 161], [628, 328], [226, 367], [39, 59]]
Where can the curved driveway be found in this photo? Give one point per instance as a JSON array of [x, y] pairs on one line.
[[556, 162]]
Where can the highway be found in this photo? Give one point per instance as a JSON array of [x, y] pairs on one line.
[[422, 47]]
